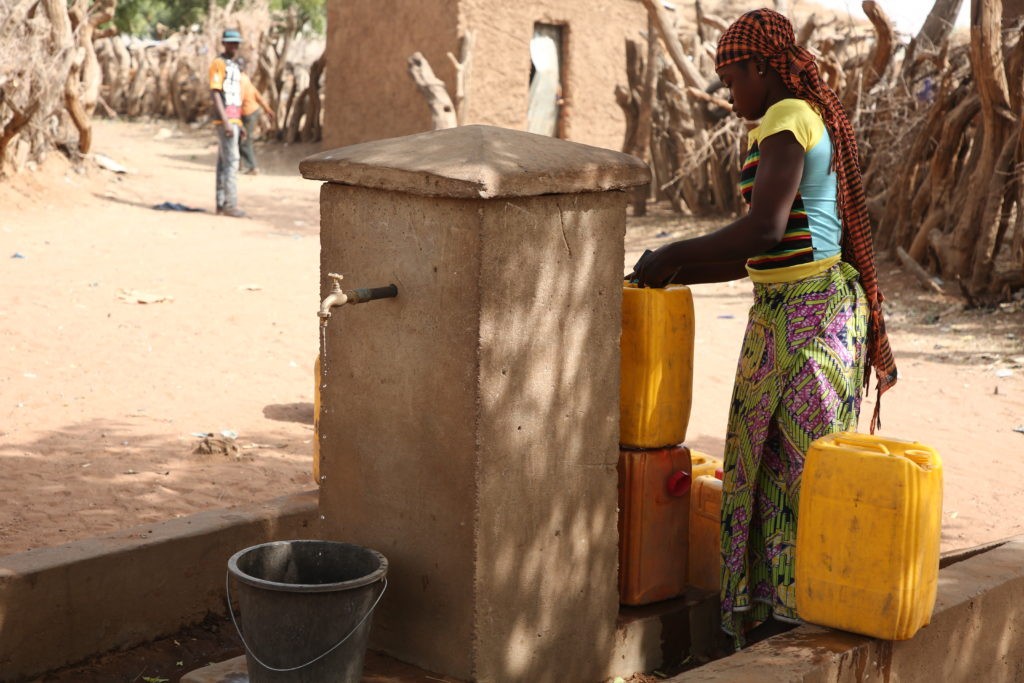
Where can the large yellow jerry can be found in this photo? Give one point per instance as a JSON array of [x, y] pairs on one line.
[[657, 366], [867, 548]]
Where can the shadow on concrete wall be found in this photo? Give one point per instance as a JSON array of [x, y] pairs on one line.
[[561, 386], [976, 633]]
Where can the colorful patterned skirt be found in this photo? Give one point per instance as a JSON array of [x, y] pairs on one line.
[[799, 378]]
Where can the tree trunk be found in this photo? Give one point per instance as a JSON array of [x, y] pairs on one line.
[[442, 111], [628, 96], [462, 67], [296, 102], [311, 128], [881, 55], [934, 32], [659, 15], [64, 41], [644, 118], [137, 87], [14, 126], [983, 256], [118, 94], [990, 74], [939, 24], [100, 13]]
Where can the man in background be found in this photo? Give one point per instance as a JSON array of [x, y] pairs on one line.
[[226, 94]]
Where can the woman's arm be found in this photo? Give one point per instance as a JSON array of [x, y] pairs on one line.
[[778, 180], [700, 273]]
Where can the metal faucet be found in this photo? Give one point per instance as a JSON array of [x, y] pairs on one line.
[[354, 296]]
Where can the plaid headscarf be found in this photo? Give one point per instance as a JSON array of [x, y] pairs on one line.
[[766, 33]]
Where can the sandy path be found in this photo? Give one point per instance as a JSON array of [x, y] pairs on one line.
[[99, 398]]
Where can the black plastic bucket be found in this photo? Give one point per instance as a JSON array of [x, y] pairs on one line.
[[305, 609]]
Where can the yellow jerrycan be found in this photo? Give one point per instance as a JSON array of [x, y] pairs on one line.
[[657, 366], [705, 465], [705, 556], [867, 548]]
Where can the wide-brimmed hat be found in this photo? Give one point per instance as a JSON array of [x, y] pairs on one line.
[[231, 35]]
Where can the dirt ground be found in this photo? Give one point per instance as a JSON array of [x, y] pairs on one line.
[[102, 397]]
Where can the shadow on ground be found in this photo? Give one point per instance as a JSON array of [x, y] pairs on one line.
[[290, 412]]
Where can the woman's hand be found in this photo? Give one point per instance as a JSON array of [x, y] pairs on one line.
[[655, 268]]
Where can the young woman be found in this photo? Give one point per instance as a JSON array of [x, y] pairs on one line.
[[816, 324]]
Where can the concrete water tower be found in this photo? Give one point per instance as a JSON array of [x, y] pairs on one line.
[[469, 427]]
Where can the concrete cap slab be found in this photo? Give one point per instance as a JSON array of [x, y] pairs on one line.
[[471, 162]]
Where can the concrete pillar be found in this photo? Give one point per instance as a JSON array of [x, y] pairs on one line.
[[469, 427]]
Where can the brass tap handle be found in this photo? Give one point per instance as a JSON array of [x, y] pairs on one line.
[[336, 287]]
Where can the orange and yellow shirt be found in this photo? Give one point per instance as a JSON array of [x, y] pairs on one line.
[[226, 77]]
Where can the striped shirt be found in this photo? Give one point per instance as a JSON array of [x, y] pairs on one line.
[[814, 230]]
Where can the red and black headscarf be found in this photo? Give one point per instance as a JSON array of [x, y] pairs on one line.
[[768, 34]]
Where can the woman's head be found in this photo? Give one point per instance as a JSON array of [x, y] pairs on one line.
[[760, 33], [753, 86], [761, 44]]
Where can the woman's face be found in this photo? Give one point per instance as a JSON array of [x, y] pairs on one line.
[[748, 90]]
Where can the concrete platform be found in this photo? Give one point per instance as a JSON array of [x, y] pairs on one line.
[[665, 634], [126, 588], [378, 668], [976, 634], [646, 638]]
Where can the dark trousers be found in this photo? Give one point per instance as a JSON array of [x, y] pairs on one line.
[[245, 149]]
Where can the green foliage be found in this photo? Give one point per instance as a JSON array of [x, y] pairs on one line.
[[312, 12], [140, 17]]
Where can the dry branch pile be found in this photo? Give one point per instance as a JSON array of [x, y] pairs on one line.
[[168, 78], [49, 77], [945, 153], [677, 114], [59, 64], [939, 126]]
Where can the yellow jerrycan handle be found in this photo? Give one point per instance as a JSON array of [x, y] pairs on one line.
[[917, 456], [861, 442]]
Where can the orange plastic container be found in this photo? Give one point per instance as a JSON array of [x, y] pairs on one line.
[[657, 366], [704, 465], [705, 566], [867, 547], [654, 521]]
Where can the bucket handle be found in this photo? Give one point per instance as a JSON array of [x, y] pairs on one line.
[[231, 611]]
